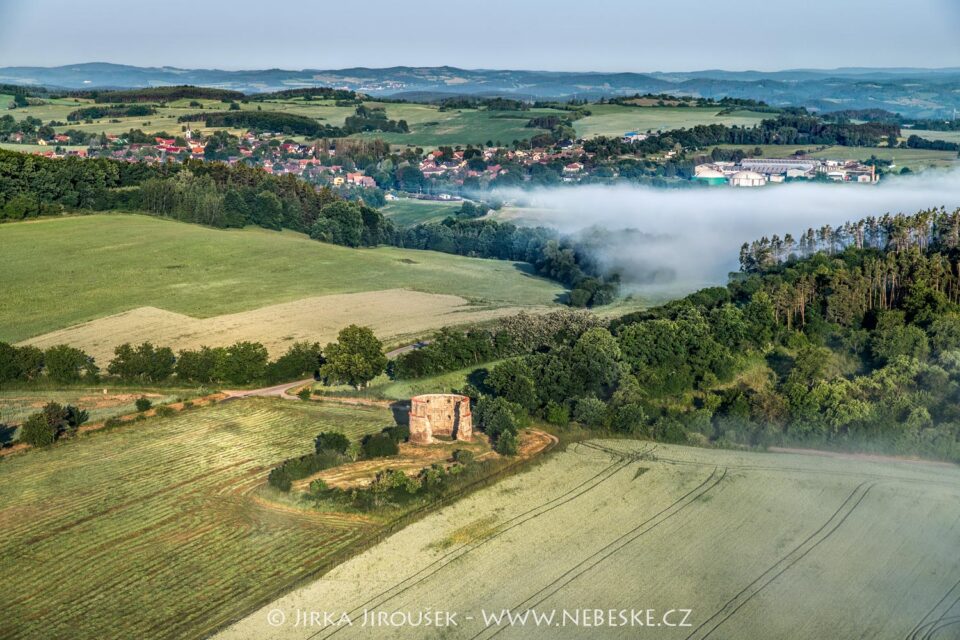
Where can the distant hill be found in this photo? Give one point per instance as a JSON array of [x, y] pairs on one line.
[[928, 93]]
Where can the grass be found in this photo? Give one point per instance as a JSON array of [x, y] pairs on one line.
[[107, 264], [100, 402], [408, 211], [949, 136], [158, 529], [756, 545], [430, 127], [615, 120], [915, 159]]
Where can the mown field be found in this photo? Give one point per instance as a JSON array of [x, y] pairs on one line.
[[408, 211], [615, 119], [157, 529], [756, 545], [181, 279], [100, 402]]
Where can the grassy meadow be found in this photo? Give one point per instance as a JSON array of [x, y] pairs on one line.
[[949, 136], [157, 529], [105, 401], [756, 545], [64, 271], [615, 119], [431, 127], [915, 159], [408, 211]]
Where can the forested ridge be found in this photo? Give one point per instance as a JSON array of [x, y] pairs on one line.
[[852, 343]]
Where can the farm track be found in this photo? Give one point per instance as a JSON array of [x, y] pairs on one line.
[[623, 461], [781, 566], [610, 549], [926, 630]]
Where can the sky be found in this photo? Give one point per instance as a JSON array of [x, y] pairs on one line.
[[561, 35]]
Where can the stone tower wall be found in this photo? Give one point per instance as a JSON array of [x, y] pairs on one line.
[[440, 414]]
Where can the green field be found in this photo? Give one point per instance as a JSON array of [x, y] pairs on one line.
[[949, 136], [786, 546], [157, 529], [61, 272], [429, 127], [100, 402], [432, 127], [615, 119], [408, 211], [915, 159]]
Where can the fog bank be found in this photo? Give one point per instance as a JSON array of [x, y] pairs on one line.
[[686, 238]]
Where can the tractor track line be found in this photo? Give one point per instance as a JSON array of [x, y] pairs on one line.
[[852, 501], [388, 594], [924, 624], [616, 545]]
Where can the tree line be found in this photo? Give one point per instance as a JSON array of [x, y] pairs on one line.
[[355, 358]]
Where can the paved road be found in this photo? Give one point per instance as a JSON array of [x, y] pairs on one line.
[[280, 390]]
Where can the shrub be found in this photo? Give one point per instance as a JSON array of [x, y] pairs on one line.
[[590, 412], [557, 414], [304, 394], [331, 441], [318, 486], [143, 404], [399, 433], [463, 456], [280, 479], [379, 446], [507, 444], [164, 411], [37, 432]]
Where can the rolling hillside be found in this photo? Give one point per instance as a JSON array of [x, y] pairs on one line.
[[184, 284]]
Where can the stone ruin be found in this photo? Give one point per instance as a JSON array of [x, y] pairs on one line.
[[440, 414]]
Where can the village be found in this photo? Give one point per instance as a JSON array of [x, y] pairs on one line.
[[441, 174]]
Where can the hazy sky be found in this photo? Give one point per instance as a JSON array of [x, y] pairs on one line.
[[601, 35]]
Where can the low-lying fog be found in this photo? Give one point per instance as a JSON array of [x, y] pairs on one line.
[[692, 237]]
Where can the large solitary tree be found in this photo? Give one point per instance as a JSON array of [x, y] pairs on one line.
[[355, 358]]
